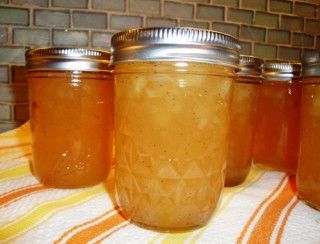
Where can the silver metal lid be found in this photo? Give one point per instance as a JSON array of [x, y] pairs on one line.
[[250, 66], [175, 44], [276, 70], [311, 64], [76, 59]]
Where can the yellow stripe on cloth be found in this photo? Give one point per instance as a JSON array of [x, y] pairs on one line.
[[15, 172], [18, 136], [43, 212], [228, 193], [12, 153]]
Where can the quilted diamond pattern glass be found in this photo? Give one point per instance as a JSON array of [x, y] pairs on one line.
[[171, 132]]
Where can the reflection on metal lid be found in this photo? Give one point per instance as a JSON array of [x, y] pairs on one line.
[[311, 64], [67, 59], [250, 66], [277, 70], [175, 44]]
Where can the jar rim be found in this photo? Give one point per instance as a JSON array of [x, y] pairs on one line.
[[311, 64], [250, 66], [281, 70], [67, 58], [175, 44]]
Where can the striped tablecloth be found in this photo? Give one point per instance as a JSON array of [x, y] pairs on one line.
[[264, 209]]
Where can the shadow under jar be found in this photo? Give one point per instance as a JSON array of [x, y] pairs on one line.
[[308, 175], [71, 105], [172, 109], [243, 115], [277, 134]]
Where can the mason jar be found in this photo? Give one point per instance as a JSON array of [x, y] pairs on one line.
[[173, 90], [243, 112], [71, 115], [277, 135], [308, 175]]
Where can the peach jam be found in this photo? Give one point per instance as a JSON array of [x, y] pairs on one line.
[[173, 95], [308, 175], [277, 137], [71, 105], [243, 112]]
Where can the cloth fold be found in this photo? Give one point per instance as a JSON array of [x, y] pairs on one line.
[[264, 209]]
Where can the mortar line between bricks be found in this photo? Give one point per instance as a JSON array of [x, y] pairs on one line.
[[9, 122], [162, 8], [144, 21], [12, 112], [194, 15], [278, 51], [127, 6], [31, 17], [108, 20], [70, 19]]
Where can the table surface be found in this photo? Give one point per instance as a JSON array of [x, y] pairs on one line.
[[264, 209]]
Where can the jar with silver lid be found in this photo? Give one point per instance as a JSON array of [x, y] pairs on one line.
[[243, 112], [71, 114], [277, 138], [172, 110], [308, 175]]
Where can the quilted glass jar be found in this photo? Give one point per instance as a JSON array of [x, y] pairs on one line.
[[277, 134], [173, 94], [71, 108], [243, 115], [308, 175]]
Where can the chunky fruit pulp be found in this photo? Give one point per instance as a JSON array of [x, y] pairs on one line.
[[308, 176], [277, 137], [171, 135], [72, 127], [243, 112]]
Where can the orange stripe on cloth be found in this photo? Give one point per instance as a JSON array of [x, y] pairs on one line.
[[15, 152], [285, 220], [78, 227], [110, 232], [257, 210], [16, 194], [24, 155], [265, 226], [107, 225], [5, 147]]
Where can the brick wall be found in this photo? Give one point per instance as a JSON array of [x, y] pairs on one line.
[[266, 28]]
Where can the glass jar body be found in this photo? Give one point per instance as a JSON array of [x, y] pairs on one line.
[[243, 114], [277, 132], [171, 135], [72, 126], [308, 175]]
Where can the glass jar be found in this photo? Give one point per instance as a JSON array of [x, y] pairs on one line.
[[71, 114], [277, 138], [243, 112], [308, 175], [172, 109]]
